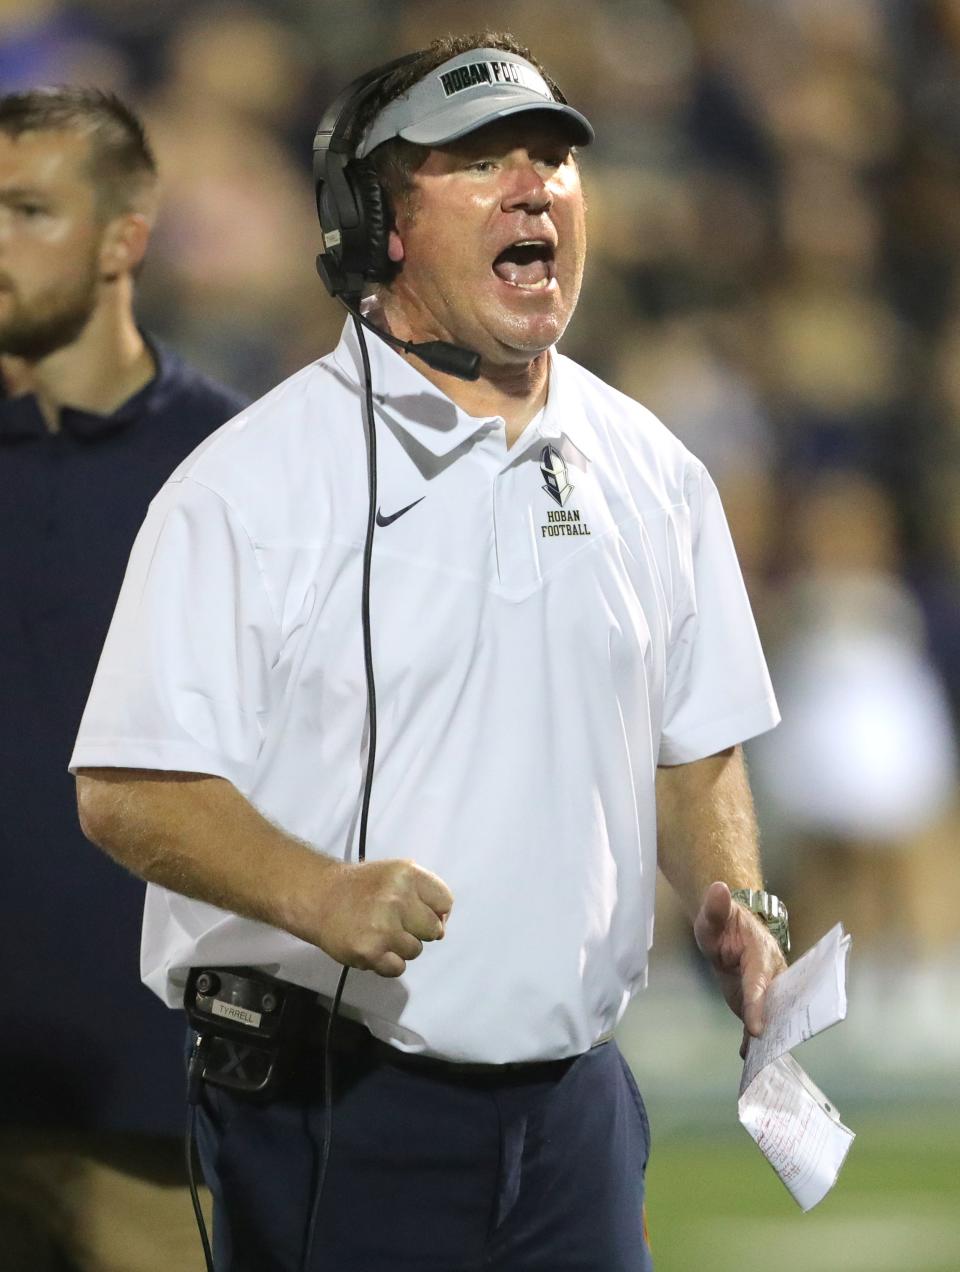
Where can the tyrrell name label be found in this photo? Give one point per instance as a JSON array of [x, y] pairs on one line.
[[232, 1012]]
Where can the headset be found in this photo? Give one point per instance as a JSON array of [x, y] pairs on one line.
[[353, 207], [355, 219]]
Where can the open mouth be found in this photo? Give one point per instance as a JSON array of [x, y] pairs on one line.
[[528, 264]]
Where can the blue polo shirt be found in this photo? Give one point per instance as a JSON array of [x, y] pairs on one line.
[[84, 1044]]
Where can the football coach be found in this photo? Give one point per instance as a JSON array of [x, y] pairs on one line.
[[565, 665]]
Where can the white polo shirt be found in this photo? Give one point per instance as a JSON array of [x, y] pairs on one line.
[[548, 626]]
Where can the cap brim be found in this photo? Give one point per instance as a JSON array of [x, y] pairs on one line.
[[458, 119]]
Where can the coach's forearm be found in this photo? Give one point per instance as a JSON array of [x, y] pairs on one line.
[[706, 826], [197, 835]]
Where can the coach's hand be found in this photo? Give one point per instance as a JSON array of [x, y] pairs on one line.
[[376, 915], [742, 951]]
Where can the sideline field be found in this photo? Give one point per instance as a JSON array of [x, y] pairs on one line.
[[715, 1205]]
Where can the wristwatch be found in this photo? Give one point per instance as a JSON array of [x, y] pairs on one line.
[[769, 909]]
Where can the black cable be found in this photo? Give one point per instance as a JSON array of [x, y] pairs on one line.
[[371, 439], [327, 1124], [371, 436], [194, 1077]]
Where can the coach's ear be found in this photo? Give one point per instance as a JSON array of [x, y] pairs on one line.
[[123, 245], [395, 247]]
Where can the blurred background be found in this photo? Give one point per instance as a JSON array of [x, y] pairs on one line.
[[775, 271]]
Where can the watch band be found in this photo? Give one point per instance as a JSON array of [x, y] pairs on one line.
[[769, 909]]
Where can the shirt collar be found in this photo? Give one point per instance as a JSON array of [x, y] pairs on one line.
[[564, 415], [20, 417], [413, 402]]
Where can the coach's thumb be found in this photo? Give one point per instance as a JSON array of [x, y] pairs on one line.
[[711, 922]]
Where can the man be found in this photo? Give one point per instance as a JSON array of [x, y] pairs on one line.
[[556, 610], [93, 417]]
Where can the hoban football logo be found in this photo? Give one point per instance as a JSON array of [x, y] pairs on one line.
[[554, 470], [557, 484]]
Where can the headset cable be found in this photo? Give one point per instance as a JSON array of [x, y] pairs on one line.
[[371, 439]]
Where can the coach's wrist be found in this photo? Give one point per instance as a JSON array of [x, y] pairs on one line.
[[304, 896], [769, 909]]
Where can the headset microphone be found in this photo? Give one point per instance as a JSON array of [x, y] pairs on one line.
[[451, 359]]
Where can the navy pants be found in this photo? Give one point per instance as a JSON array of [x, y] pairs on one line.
[[539, 1171]]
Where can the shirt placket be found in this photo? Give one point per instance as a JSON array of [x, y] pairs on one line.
[[518, 565]]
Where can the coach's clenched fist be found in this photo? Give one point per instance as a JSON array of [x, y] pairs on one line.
[[377, 914]]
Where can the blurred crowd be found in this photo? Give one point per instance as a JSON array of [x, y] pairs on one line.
[[775, 271]]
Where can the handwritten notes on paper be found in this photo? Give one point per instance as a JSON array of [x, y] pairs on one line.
[[793, 1123]]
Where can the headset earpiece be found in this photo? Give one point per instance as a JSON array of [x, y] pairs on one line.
[[377, 218], [353, 207]]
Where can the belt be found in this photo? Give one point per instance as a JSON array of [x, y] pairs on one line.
[[351, 1037]]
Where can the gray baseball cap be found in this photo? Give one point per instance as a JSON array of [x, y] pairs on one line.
[[470, 90]]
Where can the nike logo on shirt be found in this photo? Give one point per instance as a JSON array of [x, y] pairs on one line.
[[385, 521]]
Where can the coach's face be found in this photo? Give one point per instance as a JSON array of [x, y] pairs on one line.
[[50, 237], [492, 241]]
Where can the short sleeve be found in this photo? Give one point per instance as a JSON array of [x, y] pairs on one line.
[[718, 689], [183, 679]]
